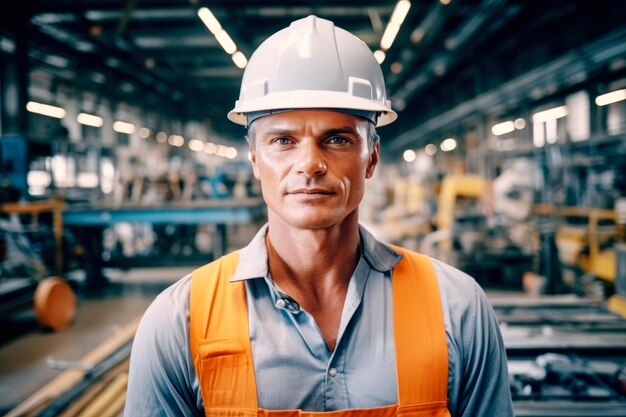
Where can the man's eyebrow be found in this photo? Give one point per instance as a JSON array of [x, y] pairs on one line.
[[278, 132], [328, 132], [340, 130]]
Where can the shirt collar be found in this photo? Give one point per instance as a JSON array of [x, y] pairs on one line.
[[253, 258]]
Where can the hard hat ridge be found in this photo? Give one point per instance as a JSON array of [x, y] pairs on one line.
[[312, 64]]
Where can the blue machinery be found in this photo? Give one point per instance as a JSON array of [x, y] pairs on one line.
[[93, 220]]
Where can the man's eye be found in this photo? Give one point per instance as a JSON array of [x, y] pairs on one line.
[[337, 140], [282, 141]]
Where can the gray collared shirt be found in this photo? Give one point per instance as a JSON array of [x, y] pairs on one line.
[[293, 367]]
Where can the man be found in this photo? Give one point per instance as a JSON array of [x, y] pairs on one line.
[[315, 314]]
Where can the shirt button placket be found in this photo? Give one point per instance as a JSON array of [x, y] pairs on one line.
[[332, 372]]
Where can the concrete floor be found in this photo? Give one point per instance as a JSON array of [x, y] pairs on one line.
[[24, 345]]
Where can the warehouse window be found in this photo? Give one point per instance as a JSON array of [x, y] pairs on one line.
[[616, 118], [578, 118], [549, 125]]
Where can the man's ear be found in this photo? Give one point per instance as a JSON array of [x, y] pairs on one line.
[[252, 159], [371, 166]]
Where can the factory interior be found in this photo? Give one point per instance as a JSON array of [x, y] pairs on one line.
[[120, 174]]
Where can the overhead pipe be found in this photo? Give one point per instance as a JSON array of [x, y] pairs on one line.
[[569, 66], [443, 61]]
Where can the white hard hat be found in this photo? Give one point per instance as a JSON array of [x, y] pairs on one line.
[[313, 65]]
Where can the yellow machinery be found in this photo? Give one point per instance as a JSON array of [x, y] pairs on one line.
[[453, 187], [601, 263]]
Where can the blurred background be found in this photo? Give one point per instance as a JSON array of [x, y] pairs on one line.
[[119, 174]]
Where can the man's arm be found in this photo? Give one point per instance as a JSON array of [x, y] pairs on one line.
[[484, 389], [162, 379]]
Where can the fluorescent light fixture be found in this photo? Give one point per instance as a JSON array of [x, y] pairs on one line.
[[89, 120], [210, 148], [124, 127], [144, 133], [176, 140], [430, 149], [448, 144], [161, 137], [610, 98], [45, 109], [503, 128], [389, 36], [240, 59], [380, 56], [196, 145], [393, 26], [399, 12], [231, 153], [551, 114], [226, 42], [209, 20]]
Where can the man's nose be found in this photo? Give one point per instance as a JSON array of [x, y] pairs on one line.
[[310, 159]]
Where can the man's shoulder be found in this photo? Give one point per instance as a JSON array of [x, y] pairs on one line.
[[450, 274]]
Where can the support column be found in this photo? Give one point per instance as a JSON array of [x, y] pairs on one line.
[[14, 71]]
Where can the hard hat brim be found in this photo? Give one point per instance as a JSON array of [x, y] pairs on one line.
[[310, 99]]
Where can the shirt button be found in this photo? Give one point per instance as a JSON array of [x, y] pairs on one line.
[[332, 372], [280, 303]]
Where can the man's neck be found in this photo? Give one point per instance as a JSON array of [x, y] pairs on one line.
[[313, 261]]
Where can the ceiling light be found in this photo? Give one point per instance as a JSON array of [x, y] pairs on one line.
[[430, 149], [417, 35], [399, 12], [176, 140], [380, 56], [520, 123], [231, 153], [209, 20], [551, 114], [448, 144], [210, 148], [389, 36], [45, 109], [393, 26], [612, 97], [503, 128], [124, 127], [240, 59], [221, 150], [409, 155], [89, 120], [196, 145], [144, 133], [397, 67], [161, 137], [226, 42]]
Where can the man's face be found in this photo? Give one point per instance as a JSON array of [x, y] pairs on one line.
[[312, 165]]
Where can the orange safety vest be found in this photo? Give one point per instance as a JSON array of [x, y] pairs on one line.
[[222, 353]]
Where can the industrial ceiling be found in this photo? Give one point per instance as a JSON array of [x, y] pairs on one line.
[[451, 58]]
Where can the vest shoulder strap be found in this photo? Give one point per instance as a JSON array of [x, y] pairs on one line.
[[421, 343], [219, 337]]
